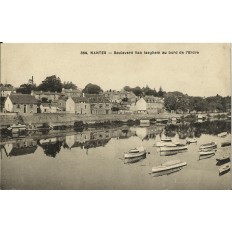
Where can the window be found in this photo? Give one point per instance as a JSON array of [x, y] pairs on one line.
[[18, 106], [31, 106]]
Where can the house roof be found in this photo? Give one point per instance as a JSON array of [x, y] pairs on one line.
[[91, 99], [46, 93], [71, 90], [23, 99]]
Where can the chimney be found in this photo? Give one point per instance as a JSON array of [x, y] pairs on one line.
[[32, 80]]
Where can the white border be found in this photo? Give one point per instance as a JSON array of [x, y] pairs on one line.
[[115, 21]]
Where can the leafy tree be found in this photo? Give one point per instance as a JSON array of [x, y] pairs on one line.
[[52, 84], [92, 89], [26, 88], [69, 85], [160, 92]]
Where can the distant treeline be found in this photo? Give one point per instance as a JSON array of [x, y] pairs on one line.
[[173, 101]]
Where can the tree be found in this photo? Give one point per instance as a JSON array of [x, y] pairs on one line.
[[26, 88], [52, 84], [69, 85], [92, 89], [160, 92]]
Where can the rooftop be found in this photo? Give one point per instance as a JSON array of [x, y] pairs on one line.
[[23, 99]]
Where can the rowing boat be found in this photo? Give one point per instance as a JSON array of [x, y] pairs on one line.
[[225, 168], [223, 134], [209, 152], [136, 152], [208, 145], [173, 164], [223, 158], [177, 147]]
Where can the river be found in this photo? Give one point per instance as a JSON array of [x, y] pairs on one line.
[[93, 159]]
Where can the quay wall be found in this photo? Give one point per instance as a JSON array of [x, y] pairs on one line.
[[57, 119]]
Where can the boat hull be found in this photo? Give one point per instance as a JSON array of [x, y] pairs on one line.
[[175, 148], [134, 155], [163, 168]]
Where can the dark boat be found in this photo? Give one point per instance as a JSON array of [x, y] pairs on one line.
[[225, 144], [223, 158]]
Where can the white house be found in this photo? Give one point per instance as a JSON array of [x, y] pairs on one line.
[[21, 103], [149, 105], [49, 108]]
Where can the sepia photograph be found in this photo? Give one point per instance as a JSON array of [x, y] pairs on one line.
[[115, 116]]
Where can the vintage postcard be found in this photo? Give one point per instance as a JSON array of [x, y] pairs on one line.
[[115, 116]]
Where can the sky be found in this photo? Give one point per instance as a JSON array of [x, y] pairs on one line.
[[204, 73]]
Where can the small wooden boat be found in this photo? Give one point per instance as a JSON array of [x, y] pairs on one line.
[[136, 152], [207, 152], [208, 145], [177, 147], [173, 164], [162, 144], [134, 159], [191, 140], [223, 134], [223, 158], [224, 169], [166, 139], [225, 144]]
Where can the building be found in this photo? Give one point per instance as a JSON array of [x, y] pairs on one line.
[[61, 103], [118, 96], [46, 96], [4, 90], [149, 105], [21, 103], [89, 104], [77, 105], [71, 92], [46, 107]]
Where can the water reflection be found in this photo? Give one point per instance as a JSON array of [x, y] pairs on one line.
[[100, 137]]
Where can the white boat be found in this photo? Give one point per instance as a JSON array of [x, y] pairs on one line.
[[207, 152], [162, 144], [173, 164], [191, 140], [208, 145], [225, 168], [166, 139], [136, 152], [177, 147], [223, 134]]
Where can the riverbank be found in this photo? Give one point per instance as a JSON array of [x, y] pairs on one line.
[[65, 119]]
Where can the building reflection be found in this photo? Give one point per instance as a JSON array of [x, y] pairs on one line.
[[20, 147]]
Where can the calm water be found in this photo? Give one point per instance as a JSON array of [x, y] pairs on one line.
[[93, 159]]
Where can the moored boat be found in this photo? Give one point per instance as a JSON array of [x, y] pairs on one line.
[[136, 152], [208, 145], [223, 134], [169, 166], [166, 139], [177, 147], [223, 158], [162, 144], [224, 169], [191, 140], [207, 152], [225, 144]]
